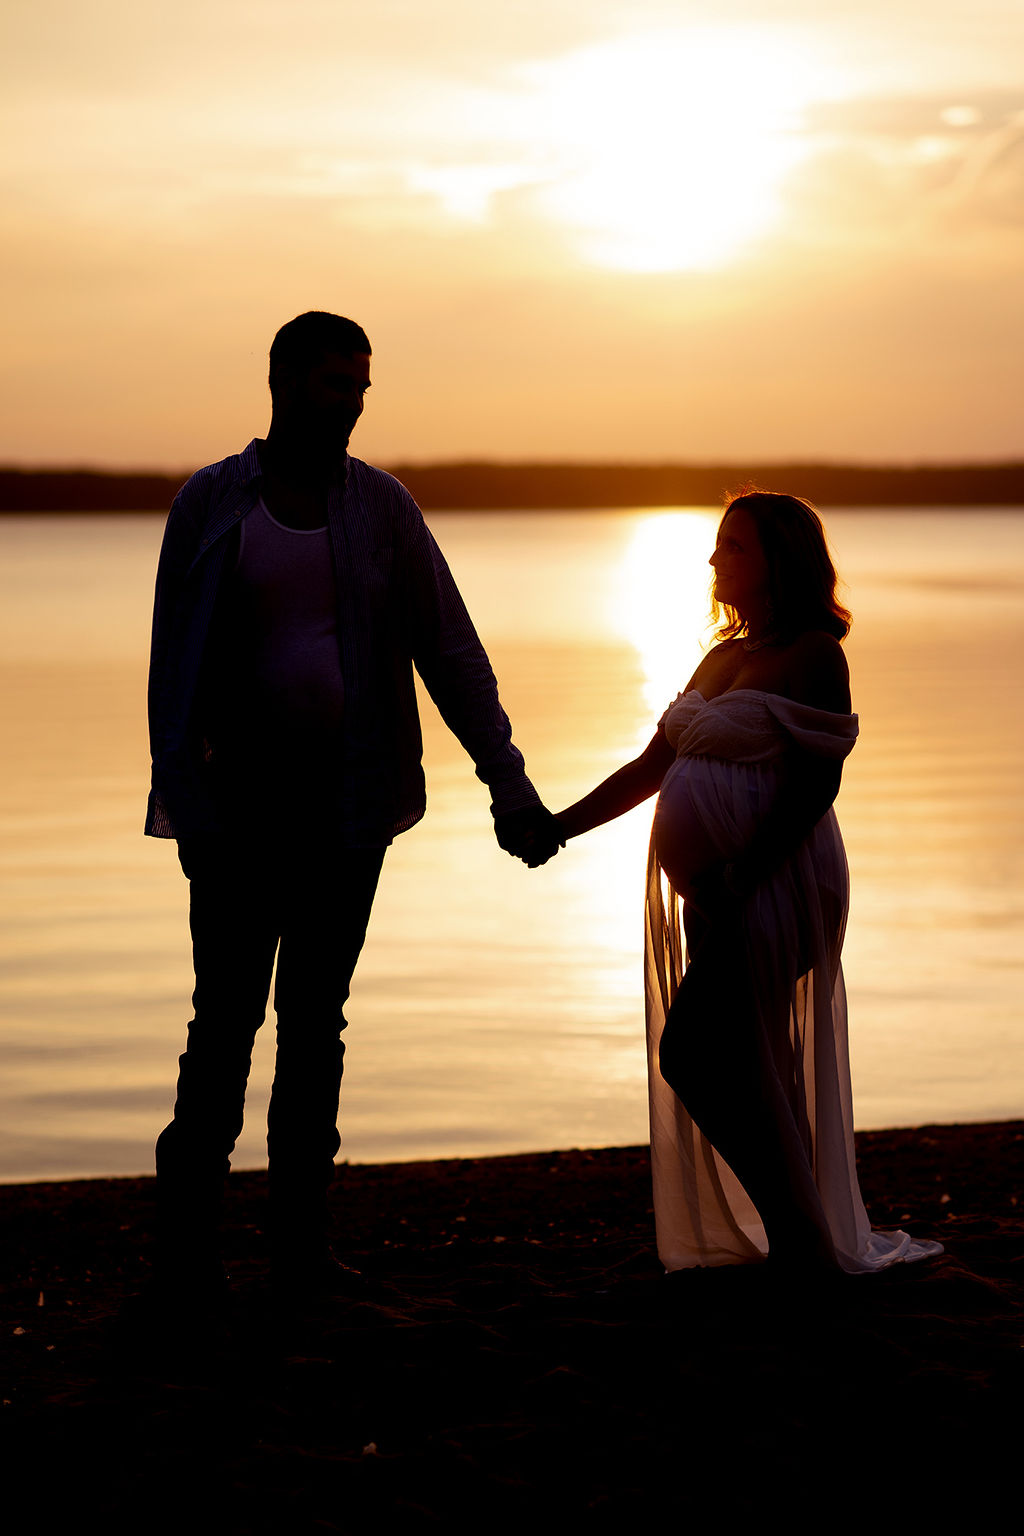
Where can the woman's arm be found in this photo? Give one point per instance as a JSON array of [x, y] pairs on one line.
[[627, 787], [817, 674], [807, 796]]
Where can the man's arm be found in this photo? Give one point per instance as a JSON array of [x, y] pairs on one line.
[[173, 807], [458, 676]]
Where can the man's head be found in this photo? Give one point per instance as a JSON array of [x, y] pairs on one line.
[[319, 373]]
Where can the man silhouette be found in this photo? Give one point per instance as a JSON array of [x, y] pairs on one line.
[[297, 588]]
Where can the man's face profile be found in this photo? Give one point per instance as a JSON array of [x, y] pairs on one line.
[[327, 399]]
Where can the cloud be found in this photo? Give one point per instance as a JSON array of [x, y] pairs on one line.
[[989, 183], [897, 170], [180, 179]]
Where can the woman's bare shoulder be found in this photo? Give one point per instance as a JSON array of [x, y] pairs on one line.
[[818, 673]]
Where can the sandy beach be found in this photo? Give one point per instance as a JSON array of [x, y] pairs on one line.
[[516, 1354]]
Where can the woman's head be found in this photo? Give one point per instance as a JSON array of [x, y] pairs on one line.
[[783, 560]]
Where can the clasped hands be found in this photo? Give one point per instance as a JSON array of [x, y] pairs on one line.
[[532, 834]]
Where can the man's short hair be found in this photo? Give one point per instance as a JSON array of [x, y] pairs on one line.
[[309, 337]]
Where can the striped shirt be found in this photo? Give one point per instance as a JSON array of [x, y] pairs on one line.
[[398, 607]]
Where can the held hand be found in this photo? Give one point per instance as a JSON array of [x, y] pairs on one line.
[[532, 835]]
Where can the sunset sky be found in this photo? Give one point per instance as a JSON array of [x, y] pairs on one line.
[[619, 229]]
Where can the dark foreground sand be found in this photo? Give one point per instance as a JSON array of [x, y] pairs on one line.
[[520, 1362]]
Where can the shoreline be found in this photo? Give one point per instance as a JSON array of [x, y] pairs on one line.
[[864, 1138], [519, 1352], [486, 486]]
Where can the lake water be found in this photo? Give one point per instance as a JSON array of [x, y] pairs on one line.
[[497, 1009]]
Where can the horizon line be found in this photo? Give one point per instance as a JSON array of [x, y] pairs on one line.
[[479, 461]]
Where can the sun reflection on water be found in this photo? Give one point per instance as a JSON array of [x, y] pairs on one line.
[[662, 604]]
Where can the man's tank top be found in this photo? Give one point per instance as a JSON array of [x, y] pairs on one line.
[[277, 692]]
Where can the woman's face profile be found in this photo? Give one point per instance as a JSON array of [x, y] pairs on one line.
[[738, 561]]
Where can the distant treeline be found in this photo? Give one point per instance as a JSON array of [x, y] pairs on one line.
[[481, 487]]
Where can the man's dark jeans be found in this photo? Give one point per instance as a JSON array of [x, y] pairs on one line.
[[307, 900]]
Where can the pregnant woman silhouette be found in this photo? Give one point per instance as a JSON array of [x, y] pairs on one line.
[[747, 892]]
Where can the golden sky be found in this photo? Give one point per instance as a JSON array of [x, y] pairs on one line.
[[624, 229]]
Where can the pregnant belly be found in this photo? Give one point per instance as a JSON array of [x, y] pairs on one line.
[[695, 824]]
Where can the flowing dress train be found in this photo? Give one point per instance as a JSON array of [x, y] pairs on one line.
[[731, 758]]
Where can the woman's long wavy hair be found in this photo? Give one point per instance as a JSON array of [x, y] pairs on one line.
[[802, 577]]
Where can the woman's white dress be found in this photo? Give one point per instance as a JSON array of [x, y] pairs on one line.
[[731, 757]]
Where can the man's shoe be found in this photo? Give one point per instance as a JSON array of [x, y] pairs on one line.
[[313, 1277]]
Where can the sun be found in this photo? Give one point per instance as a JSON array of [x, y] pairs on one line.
[[668, 151]]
